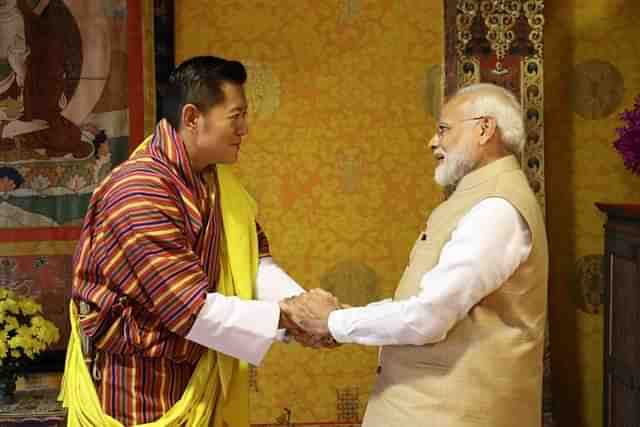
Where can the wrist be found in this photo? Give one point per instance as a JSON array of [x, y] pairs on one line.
[[284, 322], [335, 326]]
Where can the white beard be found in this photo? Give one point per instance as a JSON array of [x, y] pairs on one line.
[[455, 166]]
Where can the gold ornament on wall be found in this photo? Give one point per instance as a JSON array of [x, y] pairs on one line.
[[588, 285], [350, 10], [464, 20], [533, 106], [597, 89], [533, 11], [468, 67], [500, 17], [469, 71], [352, 282]]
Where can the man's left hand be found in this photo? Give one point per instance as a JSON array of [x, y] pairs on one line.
[[311, 311], [292, 306]]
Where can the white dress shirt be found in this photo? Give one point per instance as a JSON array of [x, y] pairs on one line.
[[245, 329], [486, 247]]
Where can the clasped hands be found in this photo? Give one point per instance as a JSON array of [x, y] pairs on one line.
[[306, 317]]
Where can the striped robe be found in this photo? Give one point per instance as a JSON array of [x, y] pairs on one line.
[[147, 255]]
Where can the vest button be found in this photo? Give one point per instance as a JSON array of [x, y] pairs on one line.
[[379, 370]]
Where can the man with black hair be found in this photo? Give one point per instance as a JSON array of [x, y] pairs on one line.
[[173, 272]]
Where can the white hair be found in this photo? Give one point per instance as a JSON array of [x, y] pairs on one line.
[[499, 103]]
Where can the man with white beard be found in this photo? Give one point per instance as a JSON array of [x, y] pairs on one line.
[[462, 341]]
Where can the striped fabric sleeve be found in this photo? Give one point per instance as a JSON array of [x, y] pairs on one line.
[[149, 258]]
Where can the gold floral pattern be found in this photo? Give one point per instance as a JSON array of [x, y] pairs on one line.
[[339, 165]]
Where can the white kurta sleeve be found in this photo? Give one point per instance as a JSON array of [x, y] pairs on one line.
[[246, 329], [238, 328], [273, 284], [473, 264]]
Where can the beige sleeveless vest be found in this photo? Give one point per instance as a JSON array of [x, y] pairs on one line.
[[488, 370]]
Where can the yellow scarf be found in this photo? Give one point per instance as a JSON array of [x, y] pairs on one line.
[[224, 397]]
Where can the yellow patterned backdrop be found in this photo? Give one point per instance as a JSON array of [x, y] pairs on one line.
[[336, 157], [592, 64], [341, 92]]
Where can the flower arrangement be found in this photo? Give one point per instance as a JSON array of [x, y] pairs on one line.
[[628, 142], [24, 334]]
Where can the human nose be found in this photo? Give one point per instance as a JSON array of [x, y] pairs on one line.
[[243, 128], [434, 142]]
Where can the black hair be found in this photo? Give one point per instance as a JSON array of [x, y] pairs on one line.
[[199, 81]]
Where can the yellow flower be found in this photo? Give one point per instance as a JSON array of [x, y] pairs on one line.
[[11, 306], [24, 331], [30, 307], [6, 293], [16, 342], [10, 323], [37, 321], [44, 330], [52, 333], [23, 339]]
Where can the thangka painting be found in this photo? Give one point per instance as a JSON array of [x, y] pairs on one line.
[[501, 42], [63, 126]]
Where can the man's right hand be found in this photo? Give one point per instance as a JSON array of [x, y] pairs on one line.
[[294, 307]]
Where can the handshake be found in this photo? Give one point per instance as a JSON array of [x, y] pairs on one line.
[[305, 317]]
